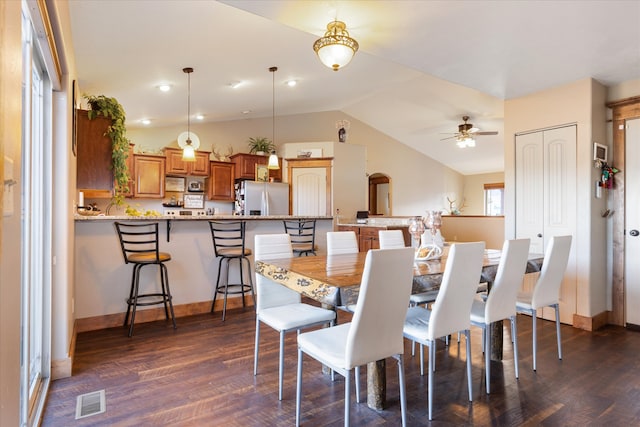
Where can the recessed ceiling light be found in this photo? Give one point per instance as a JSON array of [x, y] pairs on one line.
[[246, 112], [145, 121], [199, 117], [235, 85], [292, 83], [164, 88]]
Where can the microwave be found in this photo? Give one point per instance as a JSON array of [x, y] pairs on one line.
[[195, 185]]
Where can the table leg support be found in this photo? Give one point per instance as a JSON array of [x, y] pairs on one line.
[[496, 340], [376, 385]]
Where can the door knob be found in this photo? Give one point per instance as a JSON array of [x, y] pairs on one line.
[[634, 233], [539, 235]]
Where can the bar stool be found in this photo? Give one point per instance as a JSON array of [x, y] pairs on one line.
[[303, 235], [229, 244], [140, 247]]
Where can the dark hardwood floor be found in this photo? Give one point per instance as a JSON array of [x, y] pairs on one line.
[[202, 375]]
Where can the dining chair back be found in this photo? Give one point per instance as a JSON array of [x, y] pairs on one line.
[[278, 306], [375, 331], [390, 239], [341, 242], [501, 301], [546, 292], [451, 310], [303, 235]]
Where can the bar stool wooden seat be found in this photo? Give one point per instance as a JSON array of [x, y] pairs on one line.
[[303, 235], [229, 244], [140, 247]]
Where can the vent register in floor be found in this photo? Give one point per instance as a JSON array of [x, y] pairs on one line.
[[90, 404]]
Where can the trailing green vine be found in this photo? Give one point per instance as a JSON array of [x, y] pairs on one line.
[[111, 108]]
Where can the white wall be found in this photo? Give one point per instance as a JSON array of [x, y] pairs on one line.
[[10, 137], [474, 191], [580, 102]]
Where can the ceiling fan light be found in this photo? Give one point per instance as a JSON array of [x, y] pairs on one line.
[[335, 49]]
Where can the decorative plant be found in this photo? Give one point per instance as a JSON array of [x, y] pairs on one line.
[[111, 109], [260, 143]]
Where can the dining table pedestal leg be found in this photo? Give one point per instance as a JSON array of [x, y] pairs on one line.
[[496, 340], [376, 385]]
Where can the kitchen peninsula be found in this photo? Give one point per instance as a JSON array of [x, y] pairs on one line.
[[103, 279]]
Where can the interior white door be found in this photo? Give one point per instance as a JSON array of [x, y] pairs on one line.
[[309, 191], [632, 222], [546, 201]]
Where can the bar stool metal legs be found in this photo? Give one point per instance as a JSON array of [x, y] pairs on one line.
[[228, 245], [140, 247]]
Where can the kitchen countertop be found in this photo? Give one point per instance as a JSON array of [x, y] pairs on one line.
[[78, 217]]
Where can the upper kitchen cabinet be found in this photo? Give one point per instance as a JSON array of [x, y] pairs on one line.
[[246, 166], [176, 166], [149, 176], [221, 181], [94, 150]]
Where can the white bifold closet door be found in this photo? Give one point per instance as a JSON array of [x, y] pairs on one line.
[[546, 201]]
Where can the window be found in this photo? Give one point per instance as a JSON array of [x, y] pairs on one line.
[[494, 199], [35, 266]]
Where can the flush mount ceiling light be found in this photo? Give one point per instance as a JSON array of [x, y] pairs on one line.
[[335, 49], [188, 141], [273, 158], [164, 88]]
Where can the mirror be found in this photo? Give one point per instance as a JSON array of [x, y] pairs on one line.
[[379, 194]]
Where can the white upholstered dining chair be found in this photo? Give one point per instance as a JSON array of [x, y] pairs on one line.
[[341, 242], [501, 301], [375, 331], [546, 292], [278, 306], [391, 239], [451, 311]]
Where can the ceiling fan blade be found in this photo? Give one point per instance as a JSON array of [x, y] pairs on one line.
[[486, 133], [449, 137]]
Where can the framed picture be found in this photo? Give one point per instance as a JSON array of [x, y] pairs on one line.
[[262, 173], [599, 152], [193, 201]]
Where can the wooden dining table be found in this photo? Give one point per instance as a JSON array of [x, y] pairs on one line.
[[335, 280]]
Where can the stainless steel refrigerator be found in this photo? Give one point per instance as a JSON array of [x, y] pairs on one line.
[[263, 198]]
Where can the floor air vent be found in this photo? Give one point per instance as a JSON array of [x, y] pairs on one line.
[[90, 404]]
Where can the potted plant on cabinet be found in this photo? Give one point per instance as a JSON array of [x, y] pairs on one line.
[[111, 109], [260, 145]]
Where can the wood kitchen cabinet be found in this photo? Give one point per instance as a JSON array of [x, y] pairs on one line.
[[246, 166], [94, 174], [221, 177], [149, 172], [176, 166], [368, 235]]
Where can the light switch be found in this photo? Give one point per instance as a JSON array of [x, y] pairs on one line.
[[9, 182]]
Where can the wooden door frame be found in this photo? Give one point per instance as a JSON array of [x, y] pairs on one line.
[[623, 110], [324, 162]]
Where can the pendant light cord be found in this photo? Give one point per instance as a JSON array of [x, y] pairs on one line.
[[188, 70], [273, 105]]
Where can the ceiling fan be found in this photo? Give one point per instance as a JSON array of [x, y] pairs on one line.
[[466, 134]]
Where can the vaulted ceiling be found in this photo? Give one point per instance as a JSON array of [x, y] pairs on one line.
[[421, 66]]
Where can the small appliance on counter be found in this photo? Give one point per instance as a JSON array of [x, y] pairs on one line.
[[195, 185], [361, 217]]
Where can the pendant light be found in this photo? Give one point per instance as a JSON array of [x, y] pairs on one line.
[[189, 142], [273, 158], [335, 49]]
